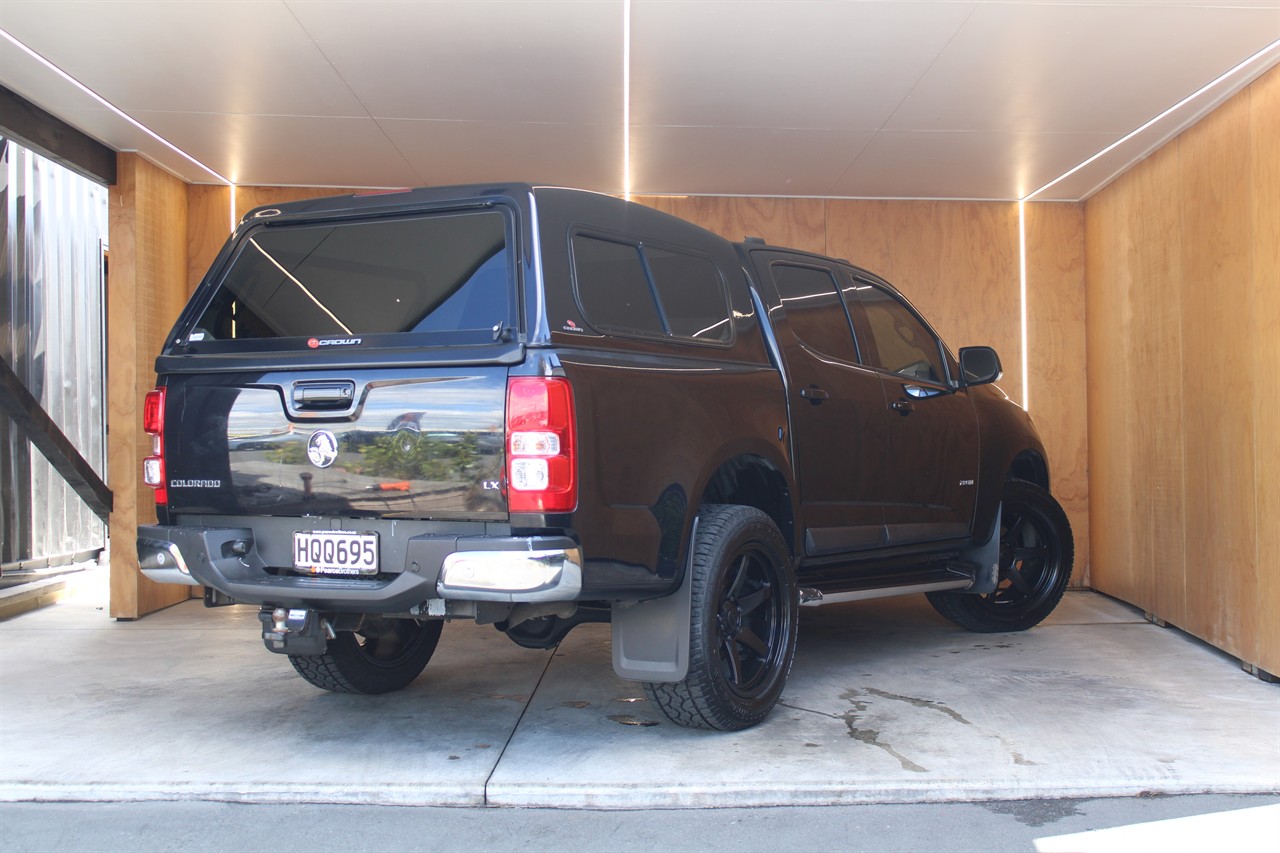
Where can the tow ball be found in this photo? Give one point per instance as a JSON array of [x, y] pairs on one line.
[[295, 632]]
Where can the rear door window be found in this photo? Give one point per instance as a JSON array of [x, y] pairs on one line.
[[445, 278], [811, 298]]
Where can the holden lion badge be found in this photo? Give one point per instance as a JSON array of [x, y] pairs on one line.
[[322, 448]]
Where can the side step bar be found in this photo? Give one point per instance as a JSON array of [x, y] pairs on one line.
[[810, 597]]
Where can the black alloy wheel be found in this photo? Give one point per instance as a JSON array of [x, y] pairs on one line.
[[749, 621], [743, 623], [1036, 556]]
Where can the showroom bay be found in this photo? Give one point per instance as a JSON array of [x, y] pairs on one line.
[[1136, 305]]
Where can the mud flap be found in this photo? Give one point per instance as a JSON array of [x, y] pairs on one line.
[[987, 558], [651, 638]]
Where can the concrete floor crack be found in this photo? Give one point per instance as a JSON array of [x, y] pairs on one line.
[[811, 711], [515, 728]]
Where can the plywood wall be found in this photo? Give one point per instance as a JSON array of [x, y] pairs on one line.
[[958, 262], [209, 222], [1183, 270], [1057, 362], [1264, 157], [800, 223], [145, 292]]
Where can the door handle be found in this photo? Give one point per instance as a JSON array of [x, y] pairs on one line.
[[903, 407], [323, 395], [814, 394]]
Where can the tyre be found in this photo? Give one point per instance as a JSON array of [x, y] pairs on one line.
[[742, 627], [384, 655], [1036, 555]]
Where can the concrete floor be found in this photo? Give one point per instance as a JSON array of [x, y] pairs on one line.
[[887, 703], [1195, 823]]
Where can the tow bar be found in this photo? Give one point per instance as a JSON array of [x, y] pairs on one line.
[[295, 632]]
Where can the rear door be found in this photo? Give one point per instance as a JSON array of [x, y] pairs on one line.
[[351, 366], [837, 411]]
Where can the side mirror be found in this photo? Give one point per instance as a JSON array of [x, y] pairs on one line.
[[979, 366]]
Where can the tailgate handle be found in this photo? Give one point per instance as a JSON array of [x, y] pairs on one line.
[[323, 395]]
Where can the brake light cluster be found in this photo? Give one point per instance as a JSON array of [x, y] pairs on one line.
[[542, 470], [153, 473]]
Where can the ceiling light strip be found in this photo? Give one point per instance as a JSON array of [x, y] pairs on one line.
[[110, 106], [1273, 47], [1022, 290], [626, 99]]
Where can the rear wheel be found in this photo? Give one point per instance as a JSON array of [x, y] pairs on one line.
[[1036, 555], [743, 625], [382, 656], [541, 633]]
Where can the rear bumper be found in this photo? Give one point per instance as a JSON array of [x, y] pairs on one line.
[[436, 566]]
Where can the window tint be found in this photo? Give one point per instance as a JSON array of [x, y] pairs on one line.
[[423, 274], [814, 310], [613, 287], [692, 295], [685, 297], [900, 343]]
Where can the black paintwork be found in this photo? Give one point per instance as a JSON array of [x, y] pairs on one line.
[[875, 481], [412, 443]]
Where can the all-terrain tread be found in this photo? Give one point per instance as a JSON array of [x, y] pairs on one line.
[[692, 702], [320, 671], [345, 668]]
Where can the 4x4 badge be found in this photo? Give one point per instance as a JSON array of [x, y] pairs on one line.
[[322, 448]]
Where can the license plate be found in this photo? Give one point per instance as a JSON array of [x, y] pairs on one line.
[[335, 552]]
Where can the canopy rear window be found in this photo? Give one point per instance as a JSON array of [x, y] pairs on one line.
[[649, 290], [442, 278]]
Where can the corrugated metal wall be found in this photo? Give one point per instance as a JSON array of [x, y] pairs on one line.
[[53, 231]]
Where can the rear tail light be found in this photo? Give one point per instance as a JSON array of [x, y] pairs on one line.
[[153, 473], [542, 467]]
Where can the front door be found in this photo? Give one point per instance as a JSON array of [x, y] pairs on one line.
[[932, 465]]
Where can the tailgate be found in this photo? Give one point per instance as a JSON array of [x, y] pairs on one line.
[[422, 443]]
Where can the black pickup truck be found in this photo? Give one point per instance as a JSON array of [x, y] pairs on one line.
[[536, 407]]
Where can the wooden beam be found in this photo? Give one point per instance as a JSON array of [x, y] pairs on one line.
[[54, 138], [25, 411]]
